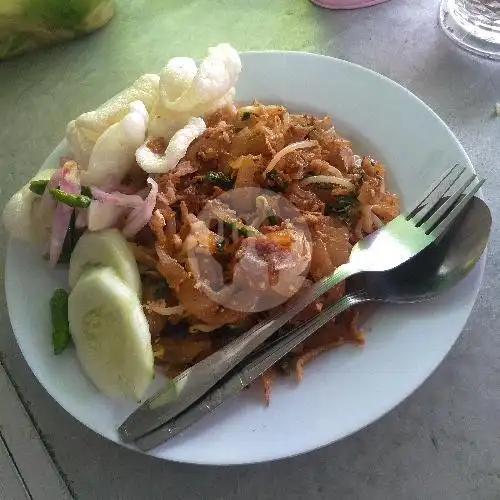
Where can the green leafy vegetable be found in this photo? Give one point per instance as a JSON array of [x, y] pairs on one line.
[[341, 205], [161, 290], [246, 115], [220, 244], [72, 200], [240, 228], [61, 335], [219, 179], [272, 219], [278, 183]]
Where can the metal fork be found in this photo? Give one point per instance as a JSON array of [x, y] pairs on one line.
[[387, 248], [437, 268]]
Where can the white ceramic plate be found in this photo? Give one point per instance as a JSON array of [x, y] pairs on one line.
[[343, 390]]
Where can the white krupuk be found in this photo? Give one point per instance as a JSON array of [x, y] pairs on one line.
[[215, 77], [154, 163], [83, 132], [186, 90], [114, 152], [176, 77]]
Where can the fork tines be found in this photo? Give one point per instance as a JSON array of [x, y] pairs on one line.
[[444, 200]]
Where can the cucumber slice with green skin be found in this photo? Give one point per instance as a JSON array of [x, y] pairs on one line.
[[111, 334], [105, 248]]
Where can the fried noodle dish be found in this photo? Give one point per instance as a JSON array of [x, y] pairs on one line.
[[340, 196]]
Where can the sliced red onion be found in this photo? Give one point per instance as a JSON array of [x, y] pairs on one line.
[[82, 219], [117, 198], [140, 216], [60, 224], [69, 183], [47, 202], [122, 188]]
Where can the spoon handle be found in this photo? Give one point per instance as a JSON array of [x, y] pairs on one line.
[[246, 373], [191, 384]]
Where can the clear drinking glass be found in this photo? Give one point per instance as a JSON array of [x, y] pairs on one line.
[[473, 24]]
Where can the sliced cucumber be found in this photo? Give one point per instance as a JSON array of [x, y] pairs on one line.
[[105, 248], [111, 334]]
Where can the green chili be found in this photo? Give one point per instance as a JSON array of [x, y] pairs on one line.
[[60, 324], [72, 200], [86, 191], [38, 186]]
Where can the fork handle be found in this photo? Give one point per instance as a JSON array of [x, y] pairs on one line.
[[191, 384], [245, 374]]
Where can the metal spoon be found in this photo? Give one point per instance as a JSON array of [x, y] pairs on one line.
[[439, 267]]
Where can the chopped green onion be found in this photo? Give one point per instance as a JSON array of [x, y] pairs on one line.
[[72, 200], [341, 205], [279, 184], [272, 219], [219, 179], [220, 245], [61, 335], [241, 229], [161, 290]]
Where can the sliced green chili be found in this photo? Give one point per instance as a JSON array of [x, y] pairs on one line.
[[38, 186], [61, 336], [72, 200]]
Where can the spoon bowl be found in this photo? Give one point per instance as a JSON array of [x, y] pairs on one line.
[[437, 268]]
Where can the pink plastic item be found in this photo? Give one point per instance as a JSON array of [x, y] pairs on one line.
[[346, 4]]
